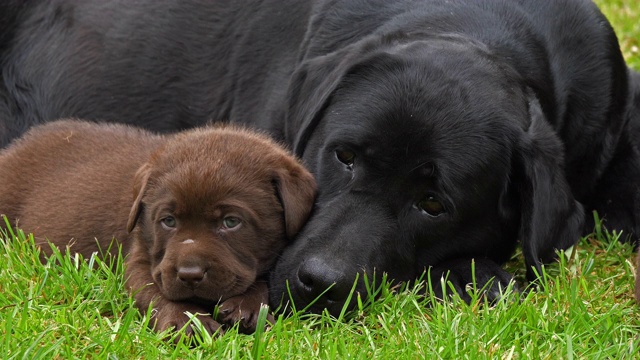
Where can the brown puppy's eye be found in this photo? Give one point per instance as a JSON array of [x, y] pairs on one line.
[[231, 222], [168, 222], [431, 206], [346, 157]]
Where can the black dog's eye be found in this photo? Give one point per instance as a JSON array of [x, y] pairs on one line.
[[431, 206], [168, 222], [346, 157], [231, 222]]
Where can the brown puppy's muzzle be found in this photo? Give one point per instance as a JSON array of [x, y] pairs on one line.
[[204, 270]]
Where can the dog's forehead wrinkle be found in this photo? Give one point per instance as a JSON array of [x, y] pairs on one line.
[[424, 168], [431, 90], [198, 181], [162, 204], [443, 130]]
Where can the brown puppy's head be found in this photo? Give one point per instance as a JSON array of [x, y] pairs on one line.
[[213, 209]]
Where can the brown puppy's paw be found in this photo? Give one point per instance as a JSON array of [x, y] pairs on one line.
[[244, 310], [174, 315]]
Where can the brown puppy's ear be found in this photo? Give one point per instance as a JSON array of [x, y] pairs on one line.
[[139, 184], [550, 217], [297, 191]]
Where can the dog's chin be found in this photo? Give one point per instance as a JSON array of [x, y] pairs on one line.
[[289, 299], [203, 297], [288, 295]]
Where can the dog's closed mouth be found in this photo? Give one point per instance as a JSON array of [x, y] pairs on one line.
[[201, 291]]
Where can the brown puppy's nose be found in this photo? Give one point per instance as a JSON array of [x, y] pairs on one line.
[[191, 275]]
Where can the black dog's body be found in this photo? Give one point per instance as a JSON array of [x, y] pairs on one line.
[[439, 131]]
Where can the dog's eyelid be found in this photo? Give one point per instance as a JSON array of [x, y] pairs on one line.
[[425, 169]]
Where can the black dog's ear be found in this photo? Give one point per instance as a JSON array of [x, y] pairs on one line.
[[140, 181], [314, 81], [551, 219], [309, 91]]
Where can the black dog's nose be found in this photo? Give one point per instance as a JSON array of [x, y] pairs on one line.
[[191, 275], [323, 284]]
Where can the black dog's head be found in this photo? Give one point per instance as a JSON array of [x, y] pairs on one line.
[[424, 151]]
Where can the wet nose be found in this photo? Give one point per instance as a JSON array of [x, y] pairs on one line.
[[191, 275], [324, 283]]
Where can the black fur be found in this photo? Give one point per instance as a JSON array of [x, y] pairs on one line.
[[506, 119]]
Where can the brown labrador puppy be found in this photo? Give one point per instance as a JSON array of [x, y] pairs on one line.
[[211, 210]]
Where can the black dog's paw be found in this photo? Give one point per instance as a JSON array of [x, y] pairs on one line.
[[490, 279]]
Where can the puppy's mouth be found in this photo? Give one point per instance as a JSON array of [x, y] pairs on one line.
[[208, 291]]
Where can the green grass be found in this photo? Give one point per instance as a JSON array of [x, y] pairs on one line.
[[625, 18], [71, 308], [80, 309]]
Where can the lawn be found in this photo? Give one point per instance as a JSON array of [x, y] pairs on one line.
[[80, 309]]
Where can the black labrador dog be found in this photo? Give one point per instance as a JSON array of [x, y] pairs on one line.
[[442, 133]]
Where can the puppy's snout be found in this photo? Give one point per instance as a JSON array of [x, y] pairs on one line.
[[191, 275], [322, 282]]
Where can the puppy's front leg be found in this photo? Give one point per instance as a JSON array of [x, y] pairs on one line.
[[244, 308], [166, 313]]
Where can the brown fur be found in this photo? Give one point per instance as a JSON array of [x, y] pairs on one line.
[[70, 182]]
